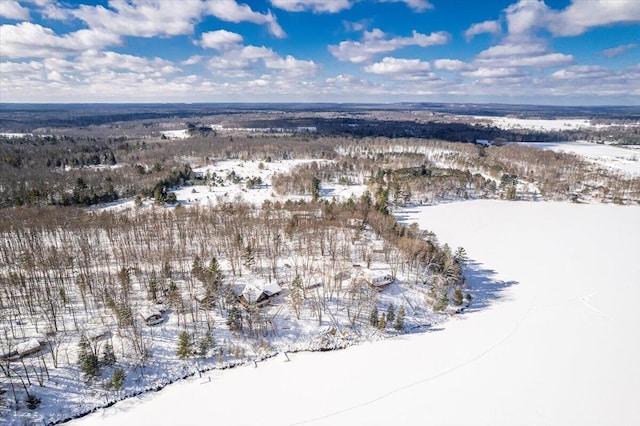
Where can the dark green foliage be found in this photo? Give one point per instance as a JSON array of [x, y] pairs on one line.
[[234, 318], [185, 346], [117, 380], [373, 317], [108, 355], [458, 297], [382, 321], [391, 314], [88, 359], [399, 322]]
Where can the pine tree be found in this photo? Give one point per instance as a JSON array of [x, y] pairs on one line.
[[205, 344], [108, 355], [399, 323], [382, 322], [185, 346], [373, 317], [118, 378], [391, 313], [248, 258], [458, 297], [87, 359], [234, 319]]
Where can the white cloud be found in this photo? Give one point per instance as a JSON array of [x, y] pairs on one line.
[[13, 10], [583, 15], [142, 18], [316, 6], [192, 60], [149, 18], [502, 72], [231, 11], [415, 5], [526, 17], [220, 39], [615, 51], [582, 72], [375, 42], [450, 65], [396, 66], [486, 27], [241, 61], [525, 54], [27, 40]]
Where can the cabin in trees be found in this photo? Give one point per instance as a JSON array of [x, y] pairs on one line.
[[23, 349], [152, 316], [378, 279], [259, 294]]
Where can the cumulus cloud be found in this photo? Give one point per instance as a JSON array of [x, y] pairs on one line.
[[528, 16], [582, 72], [376, 42], [486, 27], [450, 65], [615, 51], [415, 5], [525, 54], [399, 67], [231, 11], [149, 18], [220, 39], [12, 10], [27, 40], [142, 18], [241, 61], [502, 72], [192, 60], [316, 6]]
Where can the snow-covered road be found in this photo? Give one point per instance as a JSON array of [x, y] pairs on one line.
[[553, 338]]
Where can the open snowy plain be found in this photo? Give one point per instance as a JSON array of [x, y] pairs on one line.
[[552, 337]]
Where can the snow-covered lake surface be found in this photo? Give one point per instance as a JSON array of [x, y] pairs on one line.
[[622, 159], [553, 338]]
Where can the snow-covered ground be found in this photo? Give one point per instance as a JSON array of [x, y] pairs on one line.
[[227, 191], [176, 134], [541, 124], [553, 338], [615, 157]]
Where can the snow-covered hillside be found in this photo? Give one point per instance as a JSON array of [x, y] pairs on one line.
[[617, 158], [553, 339]]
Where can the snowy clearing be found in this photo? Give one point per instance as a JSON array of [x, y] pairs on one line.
[[553, 338], [507, 123], [614, 157], [227, 191]]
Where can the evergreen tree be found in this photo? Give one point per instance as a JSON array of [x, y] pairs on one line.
[[108, 355], [185, 346], [373, 317], [391, 314], [382, 321], [234, 319], [399, 322], [248, 257], [118, 378], [87, 359], [458, 297], [205, 344]]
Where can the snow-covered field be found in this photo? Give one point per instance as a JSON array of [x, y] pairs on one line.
[[227, 191], [615, 157], [541, 124], [554, 338]]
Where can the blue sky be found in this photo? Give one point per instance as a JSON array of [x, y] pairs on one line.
[[565, 52]]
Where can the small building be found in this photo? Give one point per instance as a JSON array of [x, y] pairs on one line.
[[483, 142], [152, 316], [379, 279], [23, 349], [259, 294]]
